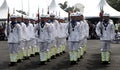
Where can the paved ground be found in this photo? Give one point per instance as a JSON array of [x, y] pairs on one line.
[[91, 60]]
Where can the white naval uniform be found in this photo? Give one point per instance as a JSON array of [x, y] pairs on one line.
[[75, 36], [27, 38], [53, 36], [22, 41], [44, 39], [13, 42], [86, 33], [106, 35]]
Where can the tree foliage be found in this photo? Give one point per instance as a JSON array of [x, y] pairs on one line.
[[65, 7], [22, 12], [115, 4]]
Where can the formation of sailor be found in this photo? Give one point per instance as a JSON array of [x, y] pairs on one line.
[[106, 31], [77, 33], [19, 39], [26, 38], [48, 37]]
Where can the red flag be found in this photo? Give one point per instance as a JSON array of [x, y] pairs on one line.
[[101, 12]]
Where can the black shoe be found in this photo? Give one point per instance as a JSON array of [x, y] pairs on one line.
[[32, 55], [43, 63], [19, 60], [64, 52], [48, 60], [26, 58], [81, 57], [37, 53], [105, 62], [12, 64], [61, 53], [78, 59], [73, 62], [57, 54], [85, 52], [53, 57]]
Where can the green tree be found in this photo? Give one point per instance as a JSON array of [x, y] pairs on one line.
[[65, 7], [115, 4], [22, 12]]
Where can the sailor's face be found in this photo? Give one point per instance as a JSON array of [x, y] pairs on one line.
[[47, 19], [81, 17], [77, 18], [42, 19], [18, 19], [13, 19], [52, 17], [106, 17], [73, 18], [26, 20]]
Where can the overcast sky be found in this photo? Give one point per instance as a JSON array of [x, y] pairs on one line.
[[34, 4]]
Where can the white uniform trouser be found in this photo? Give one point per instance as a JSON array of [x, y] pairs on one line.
[[58, 44], [21, 50], [73, 46], [64, 41], [27, 47], [54, 47], [13, 49], [43, 51], [37, 45], [84, 41], [73, 50], [33, 45], [105, 46], [43, 46]]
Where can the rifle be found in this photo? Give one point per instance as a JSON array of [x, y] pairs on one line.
[[101, 28], [68, 24], [38, 22], [8, 20]]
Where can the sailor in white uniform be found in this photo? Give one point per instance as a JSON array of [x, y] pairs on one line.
[[106, 31]]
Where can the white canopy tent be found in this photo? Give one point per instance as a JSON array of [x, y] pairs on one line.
[[3, 10], [91, 12], [54, 8]]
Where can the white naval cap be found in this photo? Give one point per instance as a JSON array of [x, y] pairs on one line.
[[73, 14], [32, 18], [44, 16], [57, 17], [36, 18], [106, 14], [26, 17], [79, 14], [62, 18], [52, 14], [14, 16]]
